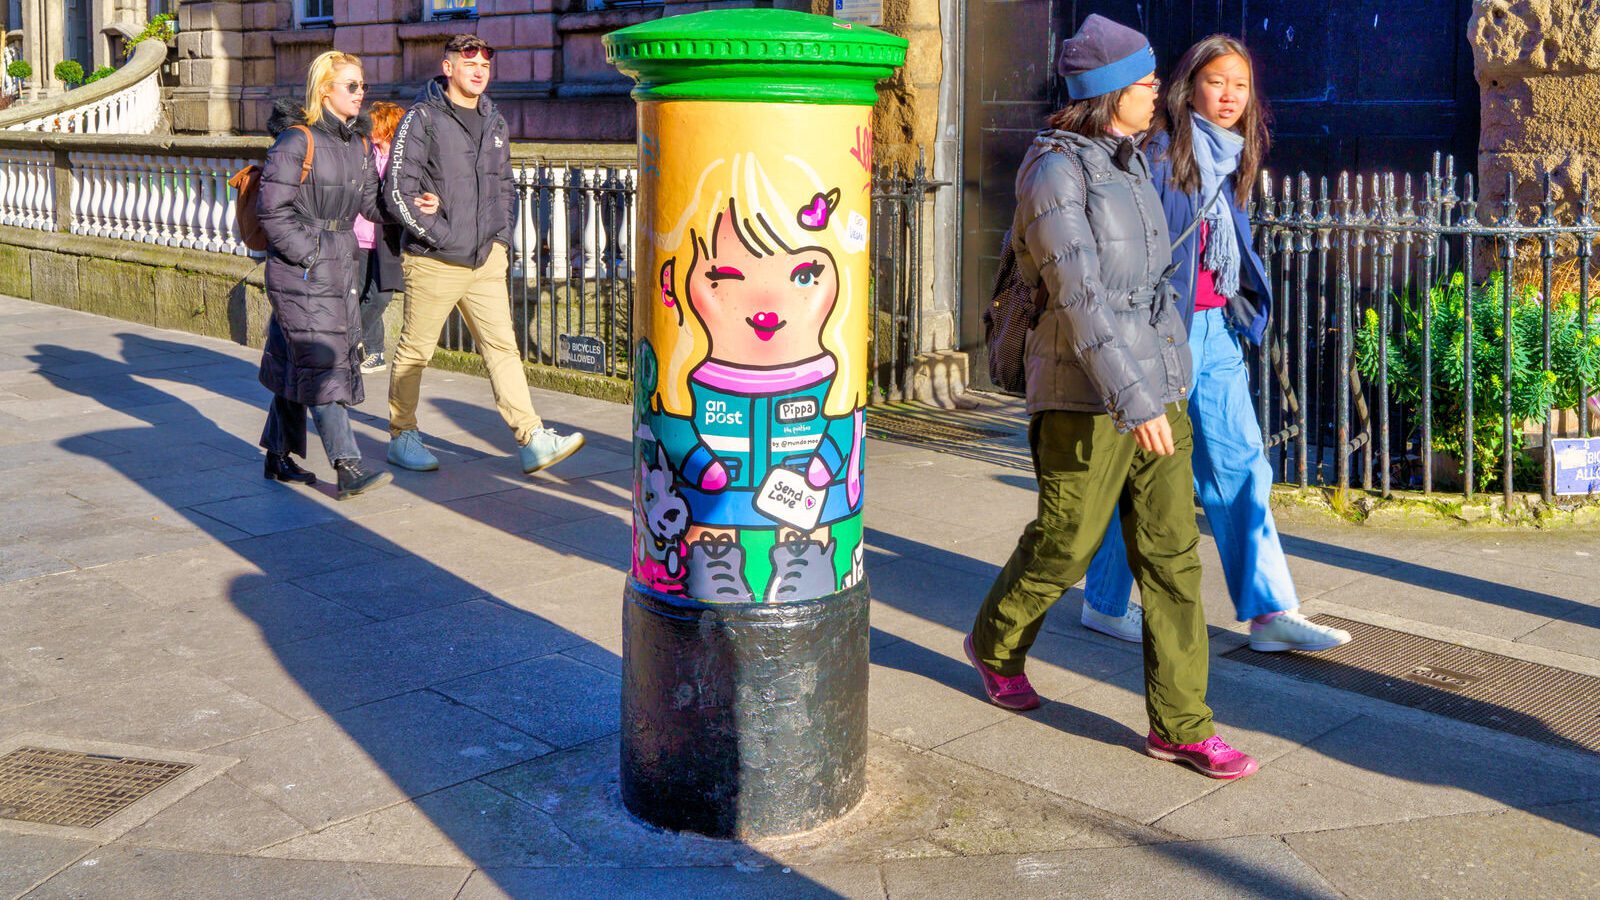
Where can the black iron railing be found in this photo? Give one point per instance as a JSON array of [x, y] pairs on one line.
[[1412, 341], [572, 289]]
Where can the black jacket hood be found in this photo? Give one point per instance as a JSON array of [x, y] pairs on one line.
[[287, 113], [433, 91]]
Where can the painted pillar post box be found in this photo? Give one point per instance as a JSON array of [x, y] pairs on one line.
[[744, 696]]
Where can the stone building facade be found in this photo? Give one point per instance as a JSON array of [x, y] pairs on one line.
[[1538, 69]]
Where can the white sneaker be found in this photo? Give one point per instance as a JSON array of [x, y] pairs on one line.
[[1127, 627], [1292, 631]]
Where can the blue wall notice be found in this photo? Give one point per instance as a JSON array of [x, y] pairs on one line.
[[1577, 462]]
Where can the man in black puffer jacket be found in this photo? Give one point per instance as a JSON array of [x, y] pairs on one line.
[[454, 143]]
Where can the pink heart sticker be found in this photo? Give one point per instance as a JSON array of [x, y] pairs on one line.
[[814, 216], [810, 502]]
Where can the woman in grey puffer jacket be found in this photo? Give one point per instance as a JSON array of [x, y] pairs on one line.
[[1108, 372], [311, 361]]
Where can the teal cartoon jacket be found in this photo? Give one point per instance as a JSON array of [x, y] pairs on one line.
[[747, 422]]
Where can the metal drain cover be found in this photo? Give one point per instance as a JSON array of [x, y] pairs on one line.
[[62, 787], [897, 426], [1535, 701]]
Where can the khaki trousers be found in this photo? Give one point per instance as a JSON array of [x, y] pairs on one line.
[[1085, 469], [433, 289]]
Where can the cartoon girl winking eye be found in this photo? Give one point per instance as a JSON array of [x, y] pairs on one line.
[[759, 401]]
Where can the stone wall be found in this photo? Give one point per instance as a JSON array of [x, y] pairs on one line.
[[907, 114], [551, 78], [203, 293], [1538, 71]]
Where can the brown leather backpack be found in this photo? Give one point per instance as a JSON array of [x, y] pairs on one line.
[[247, 182]]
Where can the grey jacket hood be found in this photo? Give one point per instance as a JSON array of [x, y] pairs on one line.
[[1090, 226]]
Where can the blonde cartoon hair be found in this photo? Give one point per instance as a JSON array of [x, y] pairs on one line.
[[319, 80], [768, 192]]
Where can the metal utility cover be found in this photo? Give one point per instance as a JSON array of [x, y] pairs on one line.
[[92, 790], [915, 429], [63, 787], [1535, 701]]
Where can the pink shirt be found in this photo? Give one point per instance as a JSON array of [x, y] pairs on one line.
[[1205, 280], [366, 232]]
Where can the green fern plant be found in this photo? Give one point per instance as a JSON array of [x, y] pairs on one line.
[[160, 28], [1574, 361]]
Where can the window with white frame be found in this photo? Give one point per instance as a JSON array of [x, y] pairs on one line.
[[450, 9], [315, 12]]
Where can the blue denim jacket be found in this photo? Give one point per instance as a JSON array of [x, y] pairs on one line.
[[1247, 313]]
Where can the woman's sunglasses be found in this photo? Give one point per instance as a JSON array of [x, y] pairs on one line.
[[355, 87], [473, 52]]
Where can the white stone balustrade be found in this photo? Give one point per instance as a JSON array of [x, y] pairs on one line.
[[125, 102], [546, 215], [174, 201], [133, 110], [27, 189], [173, 192]]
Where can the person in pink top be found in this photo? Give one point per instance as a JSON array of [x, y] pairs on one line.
[[380, 245]]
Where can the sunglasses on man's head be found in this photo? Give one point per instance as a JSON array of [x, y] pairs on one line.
[[473, 53], [355, 87]]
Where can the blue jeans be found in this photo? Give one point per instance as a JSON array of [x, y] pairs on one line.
[[1233, 479], [285, 431]]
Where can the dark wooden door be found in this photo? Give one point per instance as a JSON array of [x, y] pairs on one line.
[[1362, 86]]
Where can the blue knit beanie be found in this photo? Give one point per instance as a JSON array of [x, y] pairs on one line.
[[1104, 57]]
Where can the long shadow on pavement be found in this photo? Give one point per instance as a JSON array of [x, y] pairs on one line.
[[1405, 572], [408, 681], [1279, 708]]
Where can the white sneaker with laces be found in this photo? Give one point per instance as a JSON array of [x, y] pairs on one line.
[[1127, 627], [1292, 631]]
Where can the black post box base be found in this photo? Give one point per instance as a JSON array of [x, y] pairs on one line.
[[743, 720]]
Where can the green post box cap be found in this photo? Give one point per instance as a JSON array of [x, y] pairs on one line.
[[758, 55]]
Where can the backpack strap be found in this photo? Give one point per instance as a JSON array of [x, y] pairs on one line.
[[311, 151]]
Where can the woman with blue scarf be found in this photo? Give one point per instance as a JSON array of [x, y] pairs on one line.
[[1206, 149]]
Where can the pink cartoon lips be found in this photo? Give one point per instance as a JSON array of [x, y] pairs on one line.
[[766, 324]]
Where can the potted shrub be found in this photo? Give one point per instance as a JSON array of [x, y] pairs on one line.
[[69, 72], [20, 69], [98, 74]]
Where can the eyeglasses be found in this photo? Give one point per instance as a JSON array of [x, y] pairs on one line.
[[355, 87], [472, 53], [1153, 84]]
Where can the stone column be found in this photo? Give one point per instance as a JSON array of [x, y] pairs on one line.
[[210, 67], [44, 33], [1538, 70]]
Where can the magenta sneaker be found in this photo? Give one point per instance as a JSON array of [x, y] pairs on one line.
[[1211, 757], [1010, 692]]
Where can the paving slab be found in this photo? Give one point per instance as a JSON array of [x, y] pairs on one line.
[[28, 859], [1506, 854], [555, 698], [383, 659], [778, 882], [470, 824], [147, 873], [1239, 867], [183, 709], [331, 769], [219, 817]]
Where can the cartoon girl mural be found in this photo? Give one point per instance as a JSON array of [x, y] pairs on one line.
[[757, 405]]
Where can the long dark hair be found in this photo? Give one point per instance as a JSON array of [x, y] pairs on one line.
[[1172, 117], [1090, 118]]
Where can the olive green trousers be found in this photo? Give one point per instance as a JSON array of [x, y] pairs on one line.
[[1085, 469]]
